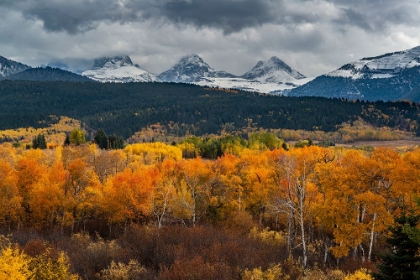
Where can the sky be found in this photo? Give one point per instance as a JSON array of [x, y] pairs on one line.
[[312, 36]]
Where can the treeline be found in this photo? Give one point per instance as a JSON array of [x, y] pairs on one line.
[[123, 109], [303, 211]]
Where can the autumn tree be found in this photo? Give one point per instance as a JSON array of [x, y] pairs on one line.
[[14, 264], [254, 174], [227, 195], [340, 213], [128, 195], [295, 176], [29, 172], [10, 198], [192, 189], [77, 137], [164, 192]]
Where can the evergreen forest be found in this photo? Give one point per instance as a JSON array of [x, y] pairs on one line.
[[124, 109]]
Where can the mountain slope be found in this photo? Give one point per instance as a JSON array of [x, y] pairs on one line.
[[386, 77], [413, 95], [47, 74], [9, 67], [380, 67], [191, 69], [118, 69]]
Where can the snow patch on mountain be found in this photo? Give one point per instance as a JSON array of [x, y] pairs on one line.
[[252, 85], [118, 69], [380, 67]]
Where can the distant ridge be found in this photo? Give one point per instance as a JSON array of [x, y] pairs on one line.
[[9, 67], [47, 74]]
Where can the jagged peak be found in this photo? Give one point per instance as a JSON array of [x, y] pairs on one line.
[[267, 70], [118, 60], [192, 59]]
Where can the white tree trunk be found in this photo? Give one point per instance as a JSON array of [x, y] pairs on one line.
[[372, 235]]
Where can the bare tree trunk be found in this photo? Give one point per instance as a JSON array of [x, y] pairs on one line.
[[326, 249], [302, 233], [289, 231], [363, 252]]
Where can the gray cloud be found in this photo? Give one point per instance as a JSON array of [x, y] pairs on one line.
[[227, 15], [312, 36], [80, 16], [73, 16], [377, 16]]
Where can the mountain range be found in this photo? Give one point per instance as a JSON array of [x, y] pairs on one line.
[[392, 76], [118, 69]]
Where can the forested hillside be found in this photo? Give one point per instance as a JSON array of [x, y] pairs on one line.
[[124, 109]]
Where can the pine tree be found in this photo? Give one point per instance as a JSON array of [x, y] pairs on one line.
[[403, 260], [67, 140], [101, 139], [39, 142]]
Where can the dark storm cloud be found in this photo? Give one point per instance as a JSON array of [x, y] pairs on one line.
[[73, 16], [230, 16], [80, 15]]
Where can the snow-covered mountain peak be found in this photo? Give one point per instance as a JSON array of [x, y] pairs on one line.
[[274, 70], [383, 66], [118, 69], [278, 64], [191, 69], [113, 62], [192, 59]]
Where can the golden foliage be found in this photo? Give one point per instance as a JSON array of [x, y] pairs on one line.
[[54, 134]]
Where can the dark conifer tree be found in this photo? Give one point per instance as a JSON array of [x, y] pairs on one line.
[[403, 260], [101, 139], [67, 140], [39, 142]]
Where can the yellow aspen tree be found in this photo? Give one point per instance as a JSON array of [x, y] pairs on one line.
[[14, 264], [193, 188], [164, 191]]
